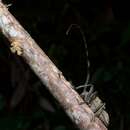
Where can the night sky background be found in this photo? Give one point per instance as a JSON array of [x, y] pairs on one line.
[[25, 104]]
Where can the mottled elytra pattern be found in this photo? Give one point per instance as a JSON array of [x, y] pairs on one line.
[[95, 103], [88, 94]]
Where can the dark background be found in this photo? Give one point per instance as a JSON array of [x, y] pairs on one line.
[[25, 104]]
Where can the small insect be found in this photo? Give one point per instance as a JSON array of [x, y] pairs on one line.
[[88, 94], [15, 48], [94, 102], [8, 5]]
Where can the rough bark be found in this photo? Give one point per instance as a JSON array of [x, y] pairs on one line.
[[23, 45]]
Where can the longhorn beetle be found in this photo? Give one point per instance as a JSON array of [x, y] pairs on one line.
[[90, 96]]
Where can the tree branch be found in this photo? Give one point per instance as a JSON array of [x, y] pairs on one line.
[[23, 45]]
